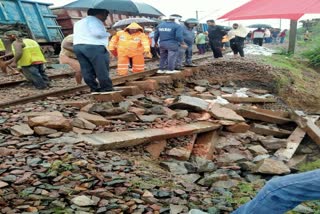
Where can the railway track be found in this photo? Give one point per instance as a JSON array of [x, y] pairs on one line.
[[116, 82], [52, 77]]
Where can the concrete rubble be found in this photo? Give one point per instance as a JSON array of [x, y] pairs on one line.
[[163, 151]]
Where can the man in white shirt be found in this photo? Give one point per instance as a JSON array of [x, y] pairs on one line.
[[258, 36], [90, 41]]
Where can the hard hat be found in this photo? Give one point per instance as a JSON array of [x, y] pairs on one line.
[[165, 18], [12, 32], [192, 21]]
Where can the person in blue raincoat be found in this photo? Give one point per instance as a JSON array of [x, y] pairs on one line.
[[189, 34]]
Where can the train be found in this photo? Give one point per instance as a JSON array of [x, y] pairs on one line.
[[48, 26], [34, 20]]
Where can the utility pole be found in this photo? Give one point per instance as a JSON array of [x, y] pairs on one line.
[[292, 36], [197, 13]]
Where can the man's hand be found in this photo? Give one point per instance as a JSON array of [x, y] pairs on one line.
[[184, 46]]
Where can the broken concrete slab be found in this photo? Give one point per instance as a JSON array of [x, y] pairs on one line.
[[76, 103], [223, 113], [293, 143], [113, 96], [273, 167], [53, 122], [83, 124], [150, 118], [41, 130], [190, 103], [238, 127], [161, 79], [205, 145], [255, 115], [137, 111], [128, 90], [81, 131], [108, 109], [183, 153], [273, 143], [249, 100], [258, 150], [127, 117], [156, 148], [95, 119], [177, 168], [147, 85], [312, 130], [267, 130], [283, 114], [113, 140], [36, 114], [21, 130]]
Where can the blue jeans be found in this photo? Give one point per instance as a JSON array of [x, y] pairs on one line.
[[36, 75], [168, 58], [282, 194], [184, 52], [282, 40], [94, 63]]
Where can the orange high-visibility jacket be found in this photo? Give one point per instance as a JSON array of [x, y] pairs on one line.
[[130, 44]]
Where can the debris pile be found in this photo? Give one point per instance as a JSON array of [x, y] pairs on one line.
[[191, 143]]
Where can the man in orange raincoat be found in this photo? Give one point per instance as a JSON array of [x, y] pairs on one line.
[[130, 43]]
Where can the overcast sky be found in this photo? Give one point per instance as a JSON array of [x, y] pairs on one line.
[[208, 9]]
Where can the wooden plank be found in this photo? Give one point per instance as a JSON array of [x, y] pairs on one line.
[[250, 100], [293, 143], [283, 114], [308, 125], [312, 130], [266, 130], [254, 115], [115, 140]]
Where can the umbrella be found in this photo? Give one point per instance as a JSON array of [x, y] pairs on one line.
[[140, 21], [259, 26], [126, 6]]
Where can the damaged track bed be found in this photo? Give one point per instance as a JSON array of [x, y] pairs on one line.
[[6, 84], [29, 97], [209, 153]]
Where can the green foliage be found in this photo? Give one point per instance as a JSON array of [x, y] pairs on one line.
[[310, 166], [243, 193], [313, 55], [312, 47]]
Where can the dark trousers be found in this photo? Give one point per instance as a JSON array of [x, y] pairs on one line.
[[216, 46], [94, 63], [237, 45], [155, 51], [201, 48], [36, 75], [258, 41]]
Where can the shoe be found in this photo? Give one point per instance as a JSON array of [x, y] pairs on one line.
[[161, 71], [172, 72], [178, 68], [191, 65]]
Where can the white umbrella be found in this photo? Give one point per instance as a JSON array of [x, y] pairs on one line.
[[140, 21]]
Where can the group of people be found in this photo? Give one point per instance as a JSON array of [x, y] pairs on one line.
[[267, 35], [89, 48]]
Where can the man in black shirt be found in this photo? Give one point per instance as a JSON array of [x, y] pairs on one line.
[[215, 34]]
